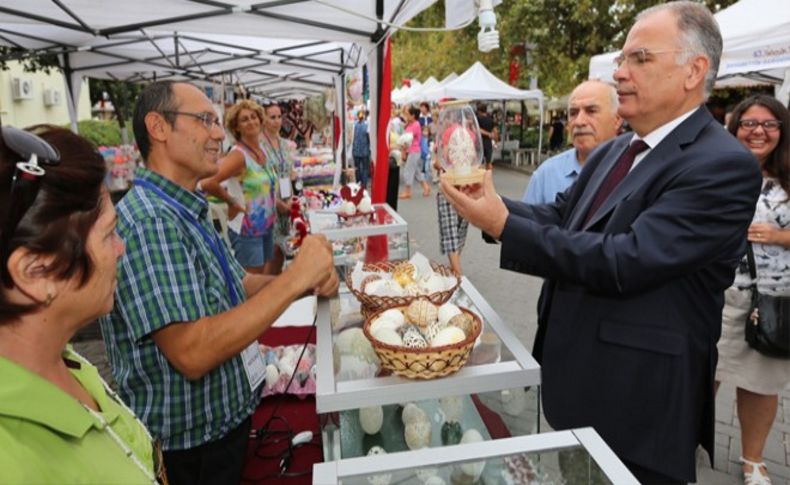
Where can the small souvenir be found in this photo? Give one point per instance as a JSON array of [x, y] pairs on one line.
[[448, 336], [417, 434], [384, 478], [403, 274], [412, 413], [422, 313], [463, 321], [388, 336], [448, 311], [413, 339], [371, 419], [451, 433]]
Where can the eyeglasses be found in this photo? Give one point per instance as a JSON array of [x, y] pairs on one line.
[[209, 120], [25, 182], [768, 125], [637, 57]]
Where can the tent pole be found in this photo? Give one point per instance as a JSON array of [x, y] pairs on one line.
[[540, 129], [342, 113], [72, 97]]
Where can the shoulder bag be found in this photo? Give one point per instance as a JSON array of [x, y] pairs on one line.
[[767, 326]]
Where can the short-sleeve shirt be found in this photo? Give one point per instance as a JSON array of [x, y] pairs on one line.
[[772, 260], [168, 274], [416, 131], [552, 177]]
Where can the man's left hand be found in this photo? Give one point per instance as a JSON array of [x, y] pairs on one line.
[[479, 204]]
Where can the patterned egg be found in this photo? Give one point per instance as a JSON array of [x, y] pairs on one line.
[[433, 330], [463, 321], [413, 339], [381, 479], [448, 336], [422, 313]]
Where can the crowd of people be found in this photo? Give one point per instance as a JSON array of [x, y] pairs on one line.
[[641, 237]]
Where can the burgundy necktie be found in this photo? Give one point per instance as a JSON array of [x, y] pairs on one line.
[[617, 174]]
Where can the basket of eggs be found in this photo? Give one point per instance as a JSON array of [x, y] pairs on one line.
[[389, 284], [422, 340]]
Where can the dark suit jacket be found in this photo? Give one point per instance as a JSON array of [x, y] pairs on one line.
[[631, 311]]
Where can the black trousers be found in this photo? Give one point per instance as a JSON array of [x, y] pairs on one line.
[[219, 462]]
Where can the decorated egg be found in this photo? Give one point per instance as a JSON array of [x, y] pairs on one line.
[[394, 314], [422, 313], [448, 336], [413, 413], [413, 339], [371, 419], [448, 311], [418, 434], [383, 478], [463, 321]]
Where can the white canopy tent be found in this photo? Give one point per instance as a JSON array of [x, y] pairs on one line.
[[756, 36], [277, 47]]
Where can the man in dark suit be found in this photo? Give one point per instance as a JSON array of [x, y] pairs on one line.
[[637, 254]]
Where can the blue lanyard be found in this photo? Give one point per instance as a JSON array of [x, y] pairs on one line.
[[213, 242]]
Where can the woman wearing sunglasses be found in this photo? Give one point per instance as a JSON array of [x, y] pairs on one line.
[[59, 422], [761, 124]]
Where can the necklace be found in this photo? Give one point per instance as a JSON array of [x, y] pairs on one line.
[[258, 155], [117, 439]]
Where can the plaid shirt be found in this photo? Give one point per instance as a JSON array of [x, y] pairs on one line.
[[169, 274]]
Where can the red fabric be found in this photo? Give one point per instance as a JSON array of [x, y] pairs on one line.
[[494, 424], [385, 110], [336, 120]]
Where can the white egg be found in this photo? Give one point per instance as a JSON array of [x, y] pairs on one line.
[[389, 337], [371, 419], [474, 469], [448, 311], [272, 374], [433, 284], [384, 322], [365, 205], [394, 314], [448, 336], [434, 480], [384, 478], [453, 408]]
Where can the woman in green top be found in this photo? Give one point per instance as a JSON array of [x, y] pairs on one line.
[[59, 422]]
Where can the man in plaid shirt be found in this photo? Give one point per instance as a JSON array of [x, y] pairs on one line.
[[182, 338]]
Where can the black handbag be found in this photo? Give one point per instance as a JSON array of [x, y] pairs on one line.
[[767, 325]]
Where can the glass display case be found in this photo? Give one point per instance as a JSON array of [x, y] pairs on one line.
[[495, 393], [349, 235], [576, 456]]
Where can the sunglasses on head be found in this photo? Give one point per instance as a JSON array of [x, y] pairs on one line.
[[32, 154]]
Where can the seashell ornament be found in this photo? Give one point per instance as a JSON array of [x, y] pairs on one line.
[[418, 434], [389, 337], [422, 313], [403, 273], [448, 336]]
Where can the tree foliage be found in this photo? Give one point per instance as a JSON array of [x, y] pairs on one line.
[[564, 33]]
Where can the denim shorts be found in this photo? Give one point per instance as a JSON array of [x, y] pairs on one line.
[[252, 251]]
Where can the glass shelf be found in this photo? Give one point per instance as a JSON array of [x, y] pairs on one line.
[[573, 456]]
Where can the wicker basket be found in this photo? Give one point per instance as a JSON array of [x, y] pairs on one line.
[[427, 363], [371, 303]]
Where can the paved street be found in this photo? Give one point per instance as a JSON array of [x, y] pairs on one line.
[[514, 297]]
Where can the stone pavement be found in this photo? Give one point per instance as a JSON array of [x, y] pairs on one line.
[[514, 297]]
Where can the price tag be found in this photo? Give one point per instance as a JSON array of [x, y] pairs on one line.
[[254, 365], [285, 187]]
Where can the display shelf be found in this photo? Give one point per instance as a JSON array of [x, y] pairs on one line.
[[384, 221], [340, 391], [572, 456]]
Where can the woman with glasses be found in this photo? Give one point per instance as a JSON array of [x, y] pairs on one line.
[[253, 243], [59, 422], [761, 124]]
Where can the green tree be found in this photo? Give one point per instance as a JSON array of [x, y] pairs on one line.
[[564, 33]]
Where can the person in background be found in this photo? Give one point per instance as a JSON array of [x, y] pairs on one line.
[[278, 154], [182, 337], [413, 169], [487, 132], [593, 119], [638, 253], [761, 124], [360, 149], [426, 125], [247, 162], [59, 421], [556, 135]]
